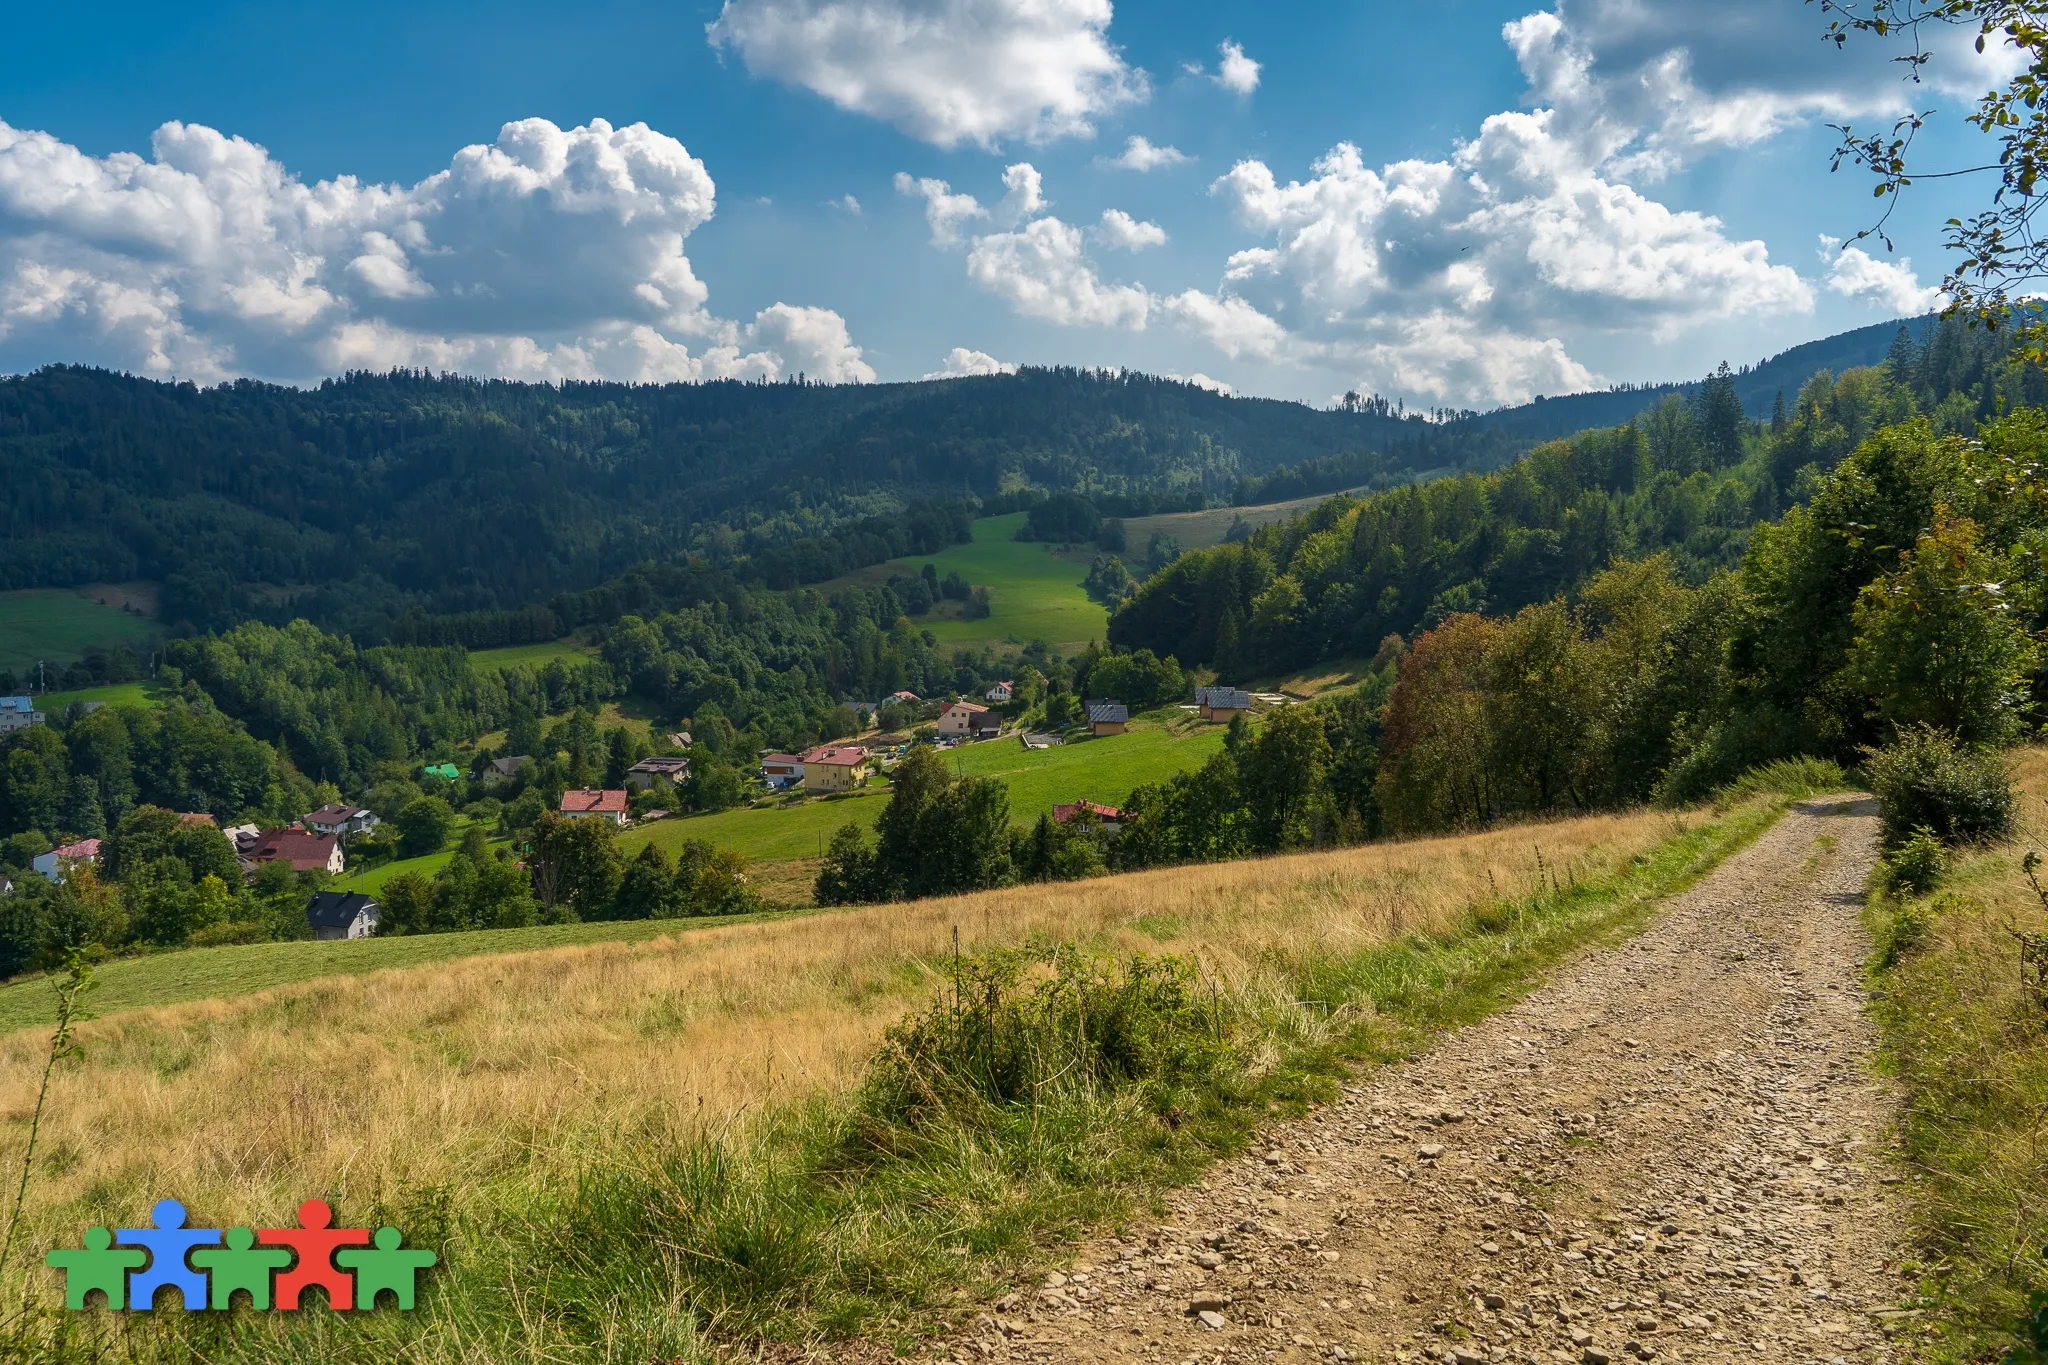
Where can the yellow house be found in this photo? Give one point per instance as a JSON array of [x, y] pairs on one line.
[[835, 768]]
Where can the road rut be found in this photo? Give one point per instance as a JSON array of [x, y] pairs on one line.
[[1670, 1151]]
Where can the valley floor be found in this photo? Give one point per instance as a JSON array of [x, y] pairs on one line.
[[1670, 1152]]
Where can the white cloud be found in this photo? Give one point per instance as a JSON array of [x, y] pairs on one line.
[[1890, 285], [1140, 155], [1026, 193], [1043, 271], [1236, 73], [1203, 381], [847, 205], [961, 363], [945, 71], [550, 253], [1121, 230], [945, 211]]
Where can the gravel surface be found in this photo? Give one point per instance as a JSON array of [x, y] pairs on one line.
[[1668, 1152]]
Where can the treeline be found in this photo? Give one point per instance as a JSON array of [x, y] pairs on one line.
[[1689, 477], [357, 502]]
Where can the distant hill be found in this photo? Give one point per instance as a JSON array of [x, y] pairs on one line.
[[374, 495], [1757, 385]]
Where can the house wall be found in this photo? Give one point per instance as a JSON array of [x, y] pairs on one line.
[[1106, 727], [832, 777]]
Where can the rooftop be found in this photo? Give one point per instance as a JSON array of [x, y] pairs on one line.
[[1107, 713], [337, 909], [586, 801]]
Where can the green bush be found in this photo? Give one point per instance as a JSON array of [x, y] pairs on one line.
[[1788, 777], [1021, 1029], [1914, 867], [1926, 780]]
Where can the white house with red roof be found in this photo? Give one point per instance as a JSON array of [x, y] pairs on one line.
[[578, 802]]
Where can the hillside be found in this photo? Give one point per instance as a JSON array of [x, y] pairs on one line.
[[356, 501]]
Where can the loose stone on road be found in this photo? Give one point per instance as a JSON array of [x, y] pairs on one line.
[[1668, 1152]]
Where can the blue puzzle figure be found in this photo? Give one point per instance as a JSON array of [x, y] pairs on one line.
[[167, 1244]]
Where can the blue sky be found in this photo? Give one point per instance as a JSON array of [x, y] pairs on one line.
[[1461, 203]]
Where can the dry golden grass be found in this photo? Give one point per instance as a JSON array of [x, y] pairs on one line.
[[469, 1074]]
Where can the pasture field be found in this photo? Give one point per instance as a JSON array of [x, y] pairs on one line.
[[704, 1092], [114, 694], [56, 625], [1035, 591], [1200, 530], [531, 656], [1102, 770], [240, 969]]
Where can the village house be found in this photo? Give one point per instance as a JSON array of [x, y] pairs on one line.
[[961, 719], [499, 771], [835, 768], [303, 849], [18, 713], [1110, 816], [903, 697], [341, 914], [666, 773], [54, 863], [447, 772], [1001, 692], [782, 771], [578, 802], [341, 820], [1222, 703], [1108, 717]]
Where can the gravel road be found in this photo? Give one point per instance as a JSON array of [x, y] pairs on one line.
[[1668, 1152]]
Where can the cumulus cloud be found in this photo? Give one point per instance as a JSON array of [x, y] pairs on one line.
[[1890, 285], [1140, 155], [1119, 229], [944, 211], [961, 363], [1236, 73], [1043, 270], [1025, 192], [1203, 381], [550, 253], [945, 71]]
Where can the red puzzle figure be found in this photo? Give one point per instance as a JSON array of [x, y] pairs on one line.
[[315, 1243]]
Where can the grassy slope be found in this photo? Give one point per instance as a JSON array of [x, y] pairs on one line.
[[1035, 592], [1967, 1040], [531, 656], [1200, 530], [55, 625], [219, 973], [114, 694], [534, 1111], [1103, 769]]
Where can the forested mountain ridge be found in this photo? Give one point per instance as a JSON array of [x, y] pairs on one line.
[[356, 502], [1687, 477]]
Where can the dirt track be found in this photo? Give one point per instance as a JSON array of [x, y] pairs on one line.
[[1666, 1153]]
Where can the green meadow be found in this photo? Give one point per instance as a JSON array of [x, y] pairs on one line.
[[209, 973], [55, 625], [114, 694], [530, 656], [1201, 530], [1034, 590], [1102, 770]]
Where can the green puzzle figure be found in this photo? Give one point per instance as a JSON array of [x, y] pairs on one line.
[[241, 1265], [97, 1267], [385, 1268]]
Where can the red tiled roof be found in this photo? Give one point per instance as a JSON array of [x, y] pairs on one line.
[[305, 851], [584, 801], [1068, 812], [837, 756], [84, 851], [962, 706]]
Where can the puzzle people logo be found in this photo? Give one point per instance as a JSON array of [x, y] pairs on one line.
[[273, 1266]]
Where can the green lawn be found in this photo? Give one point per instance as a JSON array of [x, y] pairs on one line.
[[207, 973], [1097, 770], [530, 656], [1200, 530], [1035, 594], [114, 694], [55, 625]]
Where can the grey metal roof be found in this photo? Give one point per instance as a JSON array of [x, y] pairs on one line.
[[337, 909], [1227, 698], [1101, 712]]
